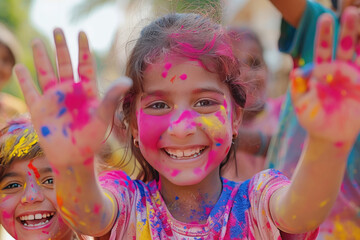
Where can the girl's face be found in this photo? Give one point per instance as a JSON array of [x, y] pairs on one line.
[[254, 70], [185, 120], [6, 64], [28, 202]]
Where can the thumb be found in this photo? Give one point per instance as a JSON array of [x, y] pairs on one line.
[[113, 97], [299, 79]]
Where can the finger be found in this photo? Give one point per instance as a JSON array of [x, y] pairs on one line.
[[347, 40], [324, 39], [113, 97], [65, 69], [27, 86], [86, 67], [357, 51], [44, 69], [300, 81]]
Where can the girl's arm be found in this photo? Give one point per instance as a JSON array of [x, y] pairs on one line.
[[71, 123], [291, 10], [327, 102]]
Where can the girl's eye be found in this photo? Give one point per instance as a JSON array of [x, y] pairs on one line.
[[12, 185], [204, 103], [158, 105], [49, 181]]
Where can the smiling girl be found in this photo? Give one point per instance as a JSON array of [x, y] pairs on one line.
[[183, 109], [27, 195]]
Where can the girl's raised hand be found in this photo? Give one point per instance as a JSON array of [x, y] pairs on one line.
[[326, 95], [69, 118]]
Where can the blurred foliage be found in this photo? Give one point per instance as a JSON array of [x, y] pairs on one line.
[[16, 16]]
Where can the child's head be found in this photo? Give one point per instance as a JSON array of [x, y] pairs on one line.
[[28, 198], [340, 5], [8, 49], [248, 49], [185, 104]]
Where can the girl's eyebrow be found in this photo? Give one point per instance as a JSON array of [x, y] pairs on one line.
[[195, 91], [15, 174], [9, 175], [45, 170], [210, 89]]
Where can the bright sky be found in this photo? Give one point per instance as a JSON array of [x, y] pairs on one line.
[[100, 25]]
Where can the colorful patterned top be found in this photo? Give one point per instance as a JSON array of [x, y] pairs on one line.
[[242, 211], [285, 149]]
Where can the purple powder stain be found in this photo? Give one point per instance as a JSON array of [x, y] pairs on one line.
[[64, 132], [183, 76], [61, 112], [61, 96], [45, 131]]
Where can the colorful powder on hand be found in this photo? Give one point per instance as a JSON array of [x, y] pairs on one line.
[[45, 131]]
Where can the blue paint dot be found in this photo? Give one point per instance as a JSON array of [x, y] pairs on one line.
[[116, 182], [61, 112], [176, 198], [61, 96], [45, 131], [218, 144], [65, 132]]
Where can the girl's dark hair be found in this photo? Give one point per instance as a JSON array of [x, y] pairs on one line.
[[18, 141], [185, 35]]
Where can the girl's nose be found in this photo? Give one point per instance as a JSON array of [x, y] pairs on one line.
[[184, 125], [32, 193]]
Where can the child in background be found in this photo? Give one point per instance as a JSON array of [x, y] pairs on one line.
[[27, 195], [261, 115], [10, 106], [297, 38], [184, 109]]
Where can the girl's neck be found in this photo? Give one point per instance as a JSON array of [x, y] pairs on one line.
[[192, 204]]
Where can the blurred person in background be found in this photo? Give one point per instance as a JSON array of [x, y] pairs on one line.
[[261, 114], [9, 105]]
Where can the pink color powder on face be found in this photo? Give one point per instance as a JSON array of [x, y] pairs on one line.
[[167, 66], [164, 74], [32, 167], [197, 171], [186, 115], [183, 76], [220, 117], [175, 172]]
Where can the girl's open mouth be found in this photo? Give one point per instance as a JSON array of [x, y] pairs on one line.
[[36, 220], [184, 153]]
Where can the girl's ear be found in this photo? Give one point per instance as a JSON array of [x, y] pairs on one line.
[[237, 119], [134, 132]]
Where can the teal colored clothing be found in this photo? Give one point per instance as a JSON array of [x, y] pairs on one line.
[[285, 148]]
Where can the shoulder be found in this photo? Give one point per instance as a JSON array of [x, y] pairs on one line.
[[266, 182]]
